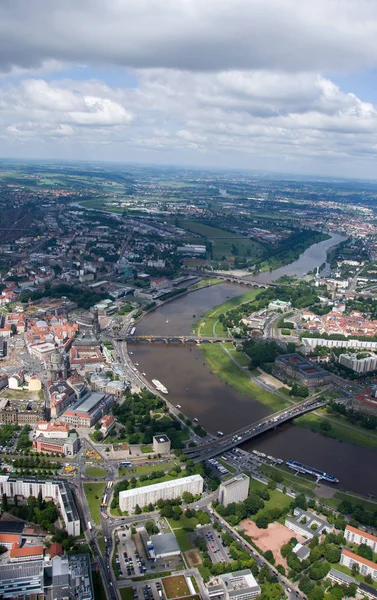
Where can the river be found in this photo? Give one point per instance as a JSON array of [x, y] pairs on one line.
[[312, 258], [219, 407]]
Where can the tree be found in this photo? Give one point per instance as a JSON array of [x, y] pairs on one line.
[[138, 510], [188, 497], [13, 329], [200, 543], [269, 556], [151, 528], [332, 553], [4, 503], [305, 585], [261, 522], [97, 436], [365, 551]]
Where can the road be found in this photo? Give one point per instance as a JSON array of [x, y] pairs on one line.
[[228, 442]]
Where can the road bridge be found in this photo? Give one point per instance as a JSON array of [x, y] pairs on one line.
[[236, 279], [230, 441], [181, 339]]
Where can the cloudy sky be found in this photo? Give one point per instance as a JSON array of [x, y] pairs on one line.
[[281, 85]]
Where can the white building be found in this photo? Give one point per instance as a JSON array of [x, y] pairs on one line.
[[356, 344], [366, 567], [234, 490], [303, 522], [167, 490], [359, 365], [357, 536], [240, 585], [54, 489], [279, 305]]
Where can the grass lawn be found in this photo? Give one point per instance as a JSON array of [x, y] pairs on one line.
[[145, 469], [163, 477], [183, 540], [94, 493], [175, 586], [242, 358], [221, 364], [300, 484], [147, 449], [211, 316], [99, 590], [227, 465], [126, 593], [204, 571], [337, 431], [95, 472], [183, 523], [101, 543], [277, 499], [358, 577], [370, 506]]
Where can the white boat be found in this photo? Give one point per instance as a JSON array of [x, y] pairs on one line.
[[158, 385]]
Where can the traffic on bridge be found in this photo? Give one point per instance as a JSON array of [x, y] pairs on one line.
[[225, 443]]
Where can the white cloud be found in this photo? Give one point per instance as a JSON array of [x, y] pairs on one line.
[[229, 81], [292, 35]]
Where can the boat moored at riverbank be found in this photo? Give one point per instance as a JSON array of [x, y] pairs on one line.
[[158, 385], [296, 466]]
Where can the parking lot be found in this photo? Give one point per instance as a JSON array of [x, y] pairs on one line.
[[130, 563], [216, 550], [150, 590]]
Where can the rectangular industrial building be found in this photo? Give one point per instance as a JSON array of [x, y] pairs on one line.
[[235, 489], [163, 545], [167, 490]]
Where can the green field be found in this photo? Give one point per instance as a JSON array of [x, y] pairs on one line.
[[205, 324], [145, 469], [227, 465], [94, 493], [221, 364], [337, 431], [222, 241], [206, 230], [95, 472], [300, 484], [101, 543], [242, 358], [277, 499], [165, 477], [99, 591], [126, 593]]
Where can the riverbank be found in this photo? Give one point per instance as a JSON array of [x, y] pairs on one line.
[[207, 325], [222, 365], [330, 426], [289, 256]]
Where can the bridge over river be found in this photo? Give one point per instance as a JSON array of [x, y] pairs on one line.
[[181, 339], [225, 443]]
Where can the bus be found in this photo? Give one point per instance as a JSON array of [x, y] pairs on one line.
[[125, 463], [89, 526], [132, 330]]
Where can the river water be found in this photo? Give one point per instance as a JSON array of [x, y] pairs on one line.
[[219, 407]]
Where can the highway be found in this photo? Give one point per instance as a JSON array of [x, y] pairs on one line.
[[225, 443]]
